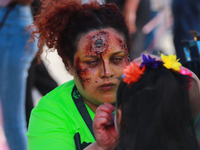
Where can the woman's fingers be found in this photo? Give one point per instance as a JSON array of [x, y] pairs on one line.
[[102, 116], [110, 106], [105, 133], [107, 107]]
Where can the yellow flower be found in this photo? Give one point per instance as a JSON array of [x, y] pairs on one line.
[[170, 62]]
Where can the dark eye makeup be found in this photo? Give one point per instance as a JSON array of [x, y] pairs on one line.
[[93, 62], [116, 59]]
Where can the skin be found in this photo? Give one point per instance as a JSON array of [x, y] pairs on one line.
[[98, 63], [117, 120], [130, 10], [104, 130]]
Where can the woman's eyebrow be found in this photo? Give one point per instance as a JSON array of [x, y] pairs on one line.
[[93, 56], [118, 52]]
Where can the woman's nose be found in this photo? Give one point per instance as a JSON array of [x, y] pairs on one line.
[[107, 70]]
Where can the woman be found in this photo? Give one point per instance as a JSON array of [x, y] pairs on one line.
[[157, 107], [15, 16], [93, 42]]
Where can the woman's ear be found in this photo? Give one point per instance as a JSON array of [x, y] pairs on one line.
[[71, 71], [70, 68], [119, 117]]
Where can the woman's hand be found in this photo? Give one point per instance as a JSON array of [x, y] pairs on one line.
[[104, 129]]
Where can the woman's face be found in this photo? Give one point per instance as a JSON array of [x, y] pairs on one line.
[[98, 63]]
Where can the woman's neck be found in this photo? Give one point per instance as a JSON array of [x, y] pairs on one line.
[[92, 106]]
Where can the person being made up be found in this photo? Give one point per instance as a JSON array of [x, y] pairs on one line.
[[93, 42], [157, 107]]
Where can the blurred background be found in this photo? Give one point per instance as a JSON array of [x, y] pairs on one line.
[[153, 33]]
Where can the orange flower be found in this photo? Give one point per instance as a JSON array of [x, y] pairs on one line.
[[133, 73]]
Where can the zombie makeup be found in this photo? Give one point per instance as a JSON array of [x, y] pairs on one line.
[[80, 72], [124, 48], [99, 44], [102, 46], [98, 63]]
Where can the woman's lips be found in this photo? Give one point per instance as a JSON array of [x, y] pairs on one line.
[[107, 86]]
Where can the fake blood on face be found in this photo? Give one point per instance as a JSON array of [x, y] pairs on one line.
[[104, 68], [81, 72], [98, 45], [123, 47]]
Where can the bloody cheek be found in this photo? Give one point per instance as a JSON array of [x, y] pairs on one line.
[[81, 72]]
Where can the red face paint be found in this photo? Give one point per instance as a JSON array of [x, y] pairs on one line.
[[123, 46], [98, 44], [80, 72], [104, 68]]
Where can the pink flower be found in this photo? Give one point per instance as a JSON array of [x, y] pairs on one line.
[[185, 72]]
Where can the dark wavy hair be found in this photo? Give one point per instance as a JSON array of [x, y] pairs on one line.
[[60, 23], [156, 113]]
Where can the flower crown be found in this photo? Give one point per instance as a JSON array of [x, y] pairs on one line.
[[133, 72]]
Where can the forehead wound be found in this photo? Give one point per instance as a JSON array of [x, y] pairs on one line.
[[99, 42]]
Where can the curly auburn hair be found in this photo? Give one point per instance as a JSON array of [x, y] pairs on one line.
[[60, 23]]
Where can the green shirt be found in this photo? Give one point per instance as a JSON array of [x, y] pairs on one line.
[[55, 120]]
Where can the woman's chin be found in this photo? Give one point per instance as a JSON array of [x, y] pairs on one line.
[[109, 99]]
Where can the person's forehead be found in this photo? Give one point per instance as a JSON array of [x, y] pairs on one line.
[[109, 31], [98, 36]]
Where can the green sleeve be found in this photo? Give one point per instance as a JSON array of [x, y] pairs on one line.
[[48, 128]]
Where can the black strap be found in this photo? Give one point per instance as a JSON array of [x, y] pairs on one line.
[[77, 140], [82, 109], [9, 8]]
